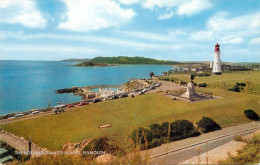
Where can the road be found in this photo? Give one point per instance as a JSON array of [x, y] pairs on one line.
[[164, 87], [179, 151]]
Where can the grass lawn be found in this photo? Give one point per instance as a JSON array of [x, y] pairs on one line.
[[53, 131], [227, 80]]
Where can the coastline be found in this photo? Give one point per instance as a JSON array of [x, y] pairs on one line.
[[73, 73]]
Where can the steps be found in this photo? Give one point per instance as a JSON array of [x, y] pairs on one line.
[[4, 156]]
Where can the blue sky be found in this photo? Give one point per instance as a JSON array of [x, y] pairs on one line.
[[180, 30]]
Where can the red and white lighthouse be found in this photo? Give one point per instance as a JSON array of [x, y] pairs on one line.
[[217, 62]]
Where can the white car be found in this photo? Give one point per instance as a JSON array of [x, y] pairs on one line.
[[35, 112], [18, 115]]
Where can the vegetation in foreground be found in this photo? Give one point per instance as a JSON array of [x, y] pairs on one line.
[[248, 155], [156, 134], [127, 114]]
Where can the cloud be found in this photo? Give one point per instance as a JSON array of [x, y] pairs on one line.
[[255, 41], [222, 21], [21, 11], [86, 15], [224, 28], [46, 48], [151, 4], [193, 7], [202, 36], [233, 41], [128, 2], [167, 15], [128, 43], [183, 7]]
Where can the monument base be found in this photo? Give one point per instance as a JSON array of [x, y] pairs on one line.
[[216, 73]]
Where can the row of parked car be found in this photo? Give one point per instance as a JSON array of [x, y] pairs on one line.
[[20, 114], [153, 86], [61, 108]]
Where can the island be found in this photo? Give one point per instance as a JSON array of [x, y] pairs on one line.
[[131, 60], [112, 61], [92, 64]]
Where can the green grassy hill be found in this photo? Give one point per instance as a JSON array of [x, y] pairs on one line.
[[131, 60], [226, 80], [53, 131]]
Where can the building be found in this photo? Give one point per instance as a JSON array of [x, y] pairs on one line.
[[211, 64], [217, 61]]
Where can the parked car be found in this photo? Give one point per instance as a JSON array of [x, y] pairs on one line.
[[123, 95], [18, 115], [96, 100], [70, 106], [141, 93], [59, 109], [105, 99], [152, 87], [83, 103], [35, 112], [115, 97]]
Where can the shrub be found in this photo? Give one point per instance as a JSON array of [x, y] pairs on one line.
[[234, 89], [207, 124], [241, 84], [155, 130], [250, 114], [101, 144], [181, 129], [155, 143], [203, 85], [164, 129], [140, 136]]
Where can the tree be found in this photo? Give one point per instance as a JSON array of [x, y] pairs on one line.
[[250, 114], [151, 74], [207, 124]]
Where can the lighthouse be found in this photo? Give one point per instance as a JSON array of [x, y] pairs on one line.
[[217, 62]]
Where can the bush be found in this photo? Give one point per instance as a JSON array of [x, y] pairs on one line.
[[140, 136], [159, 134], [155, 143], [203, 85], [234, 89], [101, 144], [207, 124], [155, 130], [241, 84], [164, 129], [181, 129], [250, 114]]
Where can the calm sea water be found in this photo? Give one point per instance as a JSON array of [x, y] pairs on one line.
[[28, 84]]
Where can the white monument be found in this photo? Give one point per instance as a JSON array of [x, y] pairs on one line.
[[217, 62], [190, 93]]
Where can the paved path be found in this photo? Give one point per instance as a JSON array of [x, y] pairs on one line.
[[179, 151]]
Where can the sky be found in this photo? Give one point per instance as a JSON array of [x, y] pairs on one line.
[[179, 30]]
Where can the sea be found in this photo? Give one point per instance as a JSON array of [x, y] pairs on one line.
[[25, 85]]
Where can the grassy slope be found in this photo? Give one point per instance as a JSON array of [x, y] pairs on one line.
[[131, 60], [54, 131], [230, 79]]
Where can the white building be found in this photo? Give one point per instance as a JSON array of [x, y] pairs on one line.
[[217, 62], [211, 64]]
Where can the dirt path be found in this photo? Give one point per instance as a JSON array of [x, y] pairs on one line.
[[19, 143]]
